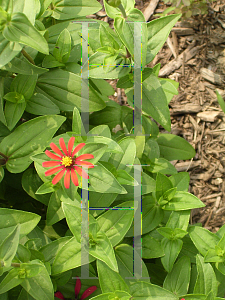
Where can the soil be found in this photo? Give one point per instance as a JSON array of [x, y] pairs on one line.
[[199, 43]]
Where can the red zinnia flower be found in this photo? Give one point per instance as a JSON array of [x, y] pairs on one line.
[[85, 294], [67, 162]]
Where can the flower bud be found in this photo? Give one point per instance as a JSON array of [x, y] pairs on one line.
[[114, 3]]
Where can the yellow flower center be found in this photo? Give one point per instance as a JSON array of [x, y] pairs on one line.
[[67, 161]]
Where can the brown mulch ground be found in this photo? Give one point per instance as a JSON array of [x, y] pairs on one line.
[[195, 113]]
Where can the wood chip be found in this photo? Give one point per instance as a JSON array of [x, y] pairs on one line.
[[183, 31], [175, 64], [183, 166], [148, 12], [211, 76], [208, 116], [188, 108]]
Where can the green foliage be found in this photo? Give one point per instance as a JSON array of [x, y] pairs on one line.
[[188, 8], [58, 221]]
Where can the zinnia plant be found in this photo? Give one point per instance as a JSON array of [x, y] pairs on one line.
[[66, 162], [85, 294]]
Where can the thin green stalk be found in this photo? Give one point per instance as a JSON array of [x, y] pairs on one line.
[[27, 56]]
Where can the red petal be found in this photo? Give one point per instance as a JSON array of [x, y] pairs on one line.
[[81, 173], [58, 176], [56, 149], [84, 163], [78, 147], [51, 155], [67, 179], [59, 295], [53, 171], [85, 156], [48, 164], [77, 287], [70, 145], [88, 292], [63, 146], [74, 177]]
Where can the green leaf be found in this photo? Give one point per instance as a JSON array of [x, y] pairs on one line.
[[154, 101], [113, 12], [68, 9], [29, 7], [124, 178], [40, 286], [29, 138], [23, 253], [115, 223], [125, 33], [1, 173], [12, 217], [112, 296], [2, 115], [46, 188], [179, 220], [110, 280], [183, 201], [21, 65], [103, 250], [9, 246], [151, 248], [50, 62], [10, 281], [38, 104], [212, 256], [50, 250], [122, 160], [180, 181], [108, 37], [96, 67], [171, 249], [73, 215], [170, 88], [24, 85], [99, 200], [162, 185], [63, 46], [8, 50], [174, 147], [161, 165], [206, 280], [102, 86], [77, 124], [112, 145], [54, 211], [124, 256], [22, 31], [30, 183], [64, 89], [148, 291], [110, 115], [102, 181], [158, 31], [203, 239], [221, 101], [151, 149], [69, 257], [172, 234], [13, 113], [177, 281], [14, 97]]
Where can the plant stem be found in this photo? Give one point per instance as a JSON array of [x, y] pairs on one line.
[[3, 155], [28, 56], [16, 265], [122, 11]]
